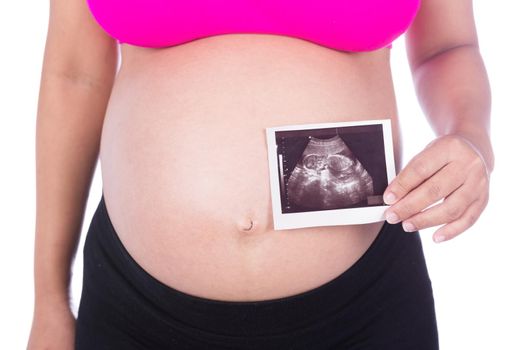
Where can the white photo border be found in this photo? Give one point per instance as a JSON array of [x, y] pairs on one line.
[[362, 215]]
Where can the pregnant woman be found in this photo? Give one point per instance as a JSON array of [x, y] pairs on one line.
[[181, 252]]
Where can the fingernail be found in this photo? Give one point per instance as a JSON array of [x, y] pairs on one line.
[[408, 227], [392, 218], [390, 198], [439, 238]]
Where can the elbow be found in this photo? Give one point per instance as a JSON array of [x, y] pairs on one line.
[[436, 54]]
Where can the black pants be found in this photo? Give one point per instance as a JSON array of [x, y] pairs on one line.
[[383, 301]]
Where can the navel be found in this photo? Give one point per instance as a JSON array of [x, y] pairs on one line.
[[246, 225]]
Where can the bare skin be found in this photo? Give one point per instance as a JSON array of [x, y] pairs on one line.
[[184, 160], [176, 125]]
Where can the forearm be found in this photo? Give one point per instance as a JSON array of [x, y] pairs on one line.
[[69, 121], [454, 93]]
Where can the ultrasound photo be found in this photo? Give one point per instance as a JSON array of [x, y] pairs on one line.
[[330, 173]]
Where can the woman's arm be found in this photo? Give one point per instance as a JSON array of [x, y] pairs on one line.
[[454, 92], [79, 66]]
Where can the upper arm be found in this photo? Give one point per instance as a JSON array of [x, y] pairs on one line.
[[440, 25], [77, 48]]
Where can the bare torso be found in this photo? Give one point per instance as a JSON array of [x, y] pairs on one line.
[[182, 126]]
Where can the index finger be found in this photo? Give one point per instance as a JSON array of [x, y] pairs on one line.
[[418, 170]]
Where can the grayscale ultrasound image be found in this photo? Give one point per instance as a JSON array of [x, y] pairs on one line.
[[331, 168], [328, 176]]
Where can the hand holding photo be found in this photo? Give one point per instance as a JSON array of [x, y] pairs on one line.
[[329, 173]]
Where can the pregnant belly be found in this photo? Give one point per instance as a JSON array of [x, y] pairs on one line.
[[185, 167]]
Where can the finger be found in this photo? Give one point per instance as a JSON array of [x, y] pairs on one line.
[[453, 229], [451, 209], [439, 186], [420, 168]]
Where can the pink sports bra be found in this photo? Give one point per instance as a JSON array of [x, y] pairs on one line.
[[346, 25]]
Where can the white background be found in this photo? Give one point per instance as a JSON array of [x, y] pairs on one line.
[[477, 277]]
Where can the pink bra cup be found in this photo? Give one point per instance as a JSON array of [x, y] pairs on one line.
[[346, 25]]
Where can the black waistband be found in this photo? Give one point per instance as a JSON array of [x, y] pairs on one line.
[[251, 317]]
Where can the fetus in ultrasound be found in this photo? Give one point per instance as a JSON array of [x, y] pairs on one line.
[[328, 176]]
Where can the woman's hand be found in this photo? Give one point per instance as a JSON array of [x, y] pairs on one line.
[[53, 328], [449, 168]]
